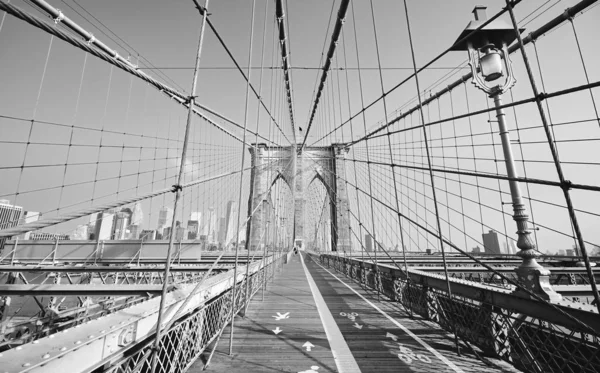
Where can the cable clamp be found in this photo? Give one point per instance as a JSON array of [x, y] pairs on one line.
[[176, 188], [59, 18], [91, 40], [189, 99], [542, 96], [566, 184]]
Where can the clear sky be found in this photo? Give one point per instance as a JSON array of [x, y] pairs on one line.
[[166, 34]]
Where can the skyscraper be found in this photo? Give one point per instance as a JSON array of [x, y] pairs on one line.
[[80, 233], [137, 216], [28, 217], [104, 225], [193, 229], [368, 242], [9, 214], [195, 215], [212, 225], [222, 230], [165, 216], [491, 243], [148, 235], [121, 224], [231, 222]]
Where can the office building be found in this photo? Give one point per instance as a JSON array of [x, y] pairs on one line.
[[133, 232], [212, 225], [28, 217], [193, 227], [368, 242], [80, 233], [44, 236], [103, 226], [137, 216], [570, 252], [231, 221], [491, 244], [165, 216], [9, 214], [222, 230], [148, 235], [195, 215], [120, 224]]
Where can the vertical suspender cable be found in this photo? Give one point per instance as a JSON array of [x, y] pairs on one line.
[[397, 197], [262, 56], [233, 290], [435, 202], [178, 189]]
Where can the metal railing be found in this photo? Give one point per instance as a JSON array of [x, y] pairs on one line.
[[532, 335], [123, 341]]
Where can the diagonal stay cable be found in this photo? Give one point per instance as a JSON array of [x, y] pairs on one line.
[[566, 15], [105, 54]]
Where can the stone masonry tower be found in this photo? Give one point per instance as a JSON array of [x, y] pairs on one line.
[[298, 171]]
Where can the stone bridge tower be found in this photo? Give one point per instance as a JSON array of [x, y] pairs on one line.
[[298, 170]]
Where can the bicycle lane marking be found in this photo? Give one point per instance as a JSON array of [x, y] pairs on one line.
[[342, 355], [402, 327]]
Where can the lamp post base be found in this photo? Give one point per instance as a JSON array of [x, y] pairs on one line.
[[536, 279]]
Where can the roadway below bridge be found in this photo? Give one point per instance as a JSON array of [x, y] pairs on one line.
[[315, 321]]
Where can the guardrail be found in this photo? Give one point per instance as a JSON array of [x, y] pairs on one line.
[[532, 335], [122, 341]]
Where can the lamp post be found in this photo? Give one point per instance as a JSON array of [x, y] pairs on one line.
[[492, 73]]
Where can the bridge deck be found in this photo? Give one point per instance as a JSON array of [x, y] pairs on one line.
[[350, 330]]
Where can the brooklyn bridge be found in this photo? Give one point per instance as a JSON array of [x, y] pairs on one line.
[[286, 186]]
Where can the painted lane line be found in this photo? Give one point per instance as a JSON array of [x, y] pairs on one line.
[[344, 360], [404, 329]]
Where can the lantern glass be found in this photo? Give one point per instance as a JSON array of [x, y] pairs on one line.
[[491, 64]]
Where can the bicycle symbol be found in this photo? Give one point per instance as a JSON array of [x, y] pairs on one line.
[[352, 316], [407, 356]]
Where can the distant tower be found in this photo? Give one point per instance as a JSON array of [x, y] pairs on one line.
[[368, 242], [120, 224], [165, 216], [212, 225], [491, 243], [104, 225], [9, 214], [231, 223], [29, 217], [137, 216]]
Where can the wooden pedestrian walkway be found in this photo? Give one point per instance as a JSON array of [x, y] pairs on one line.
[[314, 321]]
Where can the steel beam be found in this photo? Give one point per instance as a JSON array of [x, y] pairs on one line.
[[78, 290]]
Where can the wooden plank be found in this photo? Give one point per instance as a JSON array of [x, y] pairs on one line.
[[256, 348], [377, 351]]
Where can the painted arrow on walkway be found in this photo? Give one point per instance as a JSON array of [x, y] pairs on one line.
[[356, 325], [277, 330], [281, 316], [308, 346], [392, 336]]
